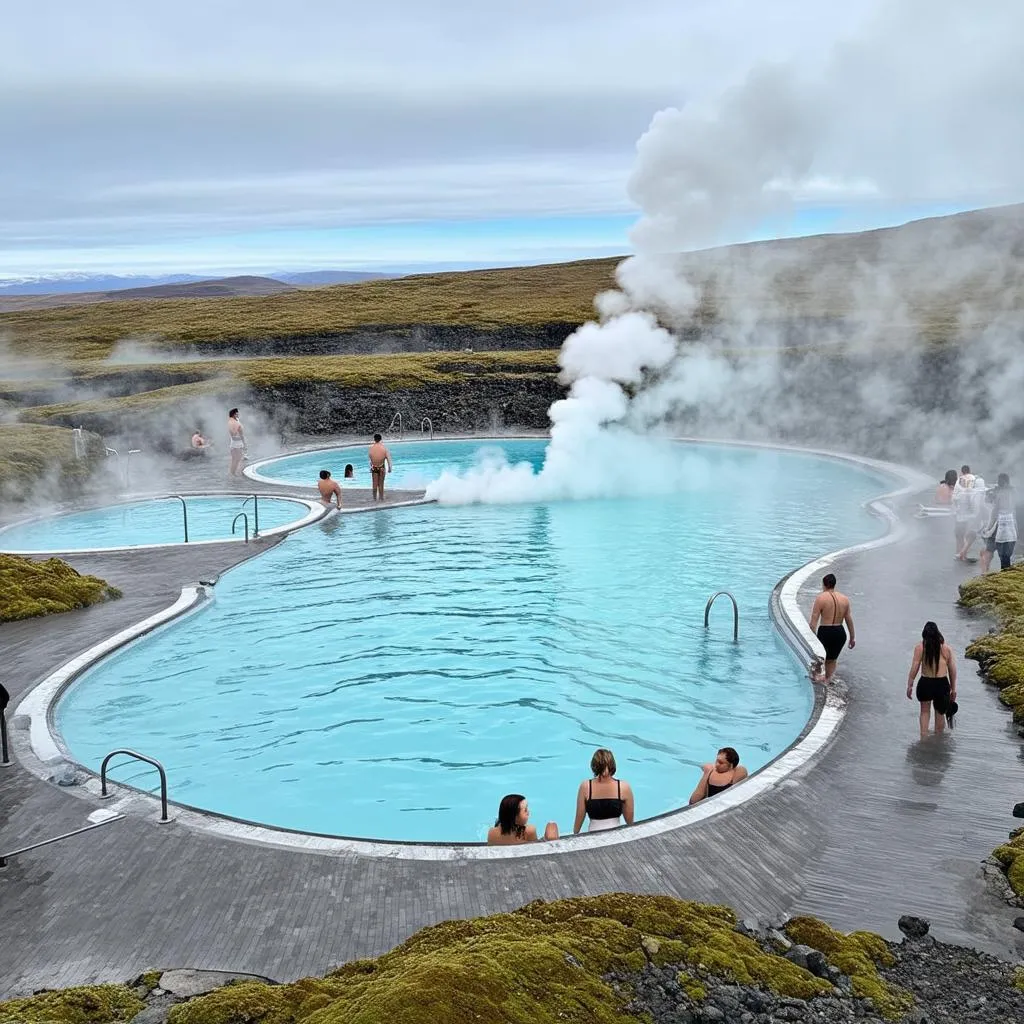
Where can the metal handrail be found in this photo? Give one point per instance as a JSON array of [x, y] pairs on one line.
[[184, 511], [128, 461], [735, 612], [245, 518], [426, 419], [5, 857], [139, 757], [401, 429], [107, 450], [254, 498]]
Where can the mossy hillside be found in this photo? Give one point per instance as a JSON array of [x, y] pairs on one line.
[[91, 1004], [542, 964], [516, 296], [30, 589], [1011, 856], [858, 955]]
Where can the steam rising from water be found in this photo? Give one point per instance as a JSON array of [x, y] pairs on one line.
[[862, 381]]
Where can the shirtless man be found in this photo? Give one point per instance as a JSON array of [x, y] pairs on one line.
[[328, 488], [380, 465], [832, 609], [236, 444]]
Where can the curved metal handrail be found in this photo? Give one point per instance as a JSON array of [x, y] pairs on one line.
[[735, 612], [255, 499], [138, 757], [184, 511], [397, 418], [427, 420], [242, 516]]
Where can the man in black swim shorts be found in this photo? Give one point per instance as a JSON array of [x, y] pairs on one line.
[[831, 610]]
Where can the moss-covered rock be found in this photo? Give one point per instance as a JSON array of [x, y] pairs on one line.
[[544, 963], [858, 955], [29, 589], [1018, 978], [90, 1004], [1011, 856]]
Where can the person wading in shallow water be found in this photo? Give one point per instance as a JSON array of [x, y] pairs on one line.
[[934, 659], [831, 610], [236, 443]]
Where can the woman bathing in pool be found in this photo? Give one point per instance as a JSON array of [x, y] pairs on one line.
[[725, 772], [513, 825]]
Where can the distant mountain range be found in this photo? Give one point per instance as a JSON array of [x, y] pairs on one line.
[[82, 289]]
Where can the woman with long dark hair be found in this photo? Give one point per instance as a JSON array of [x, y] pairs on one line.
[[513, 825], [934, 659]]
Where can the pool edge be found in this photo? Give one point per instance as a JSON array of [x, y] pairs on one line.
[[35, 715]]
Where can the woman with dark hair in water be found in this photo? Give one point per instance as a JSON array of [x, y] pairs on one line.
[[944, 492], [724, 773], [513, 825], [934, 659]]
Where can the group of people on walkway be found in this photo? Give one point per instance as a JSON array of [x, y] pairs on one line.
[[605, 801], [933, 659], [980, 513]]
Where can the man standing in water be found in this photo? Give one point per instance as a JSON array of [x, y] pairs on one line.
[[832, 609], [236, 443], [380, 465]]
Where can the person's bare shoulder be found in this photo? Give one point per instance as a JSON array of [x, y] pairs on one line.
[[531, 832], [741, 773]]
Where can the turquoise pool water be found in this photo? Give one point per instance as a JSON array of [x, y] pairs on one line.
[[393, 675], [415, 463], [154, 521]]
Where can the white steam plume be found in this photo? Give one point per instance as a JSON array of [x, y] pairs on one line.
[[792, 343]]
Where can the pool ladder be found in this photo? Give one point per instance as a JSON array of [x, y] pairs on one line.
[[254, 498], [397, 418], [429, 424], [735, 612], [184, 511]]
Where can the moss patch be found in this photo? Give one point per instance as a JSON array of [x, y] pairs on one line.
[[29, 589], [1018, 978], [91, 1004], [858, 955], [542, 964]]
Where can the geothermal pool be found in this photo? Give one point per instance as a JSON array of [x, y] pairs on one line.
[[153, 521], [393, 675], [415, 463]]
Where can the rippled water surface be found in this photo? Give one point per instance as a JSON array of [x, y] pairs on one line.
[[415, 463], [394, 674], [147, 522]]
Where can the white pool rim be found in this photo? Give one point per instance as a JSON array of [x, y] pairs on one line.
[[46, 749], [252, 470], [314, 510]]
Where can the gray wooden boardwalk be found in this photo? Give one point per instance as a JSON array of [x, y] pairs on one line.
[[878, 826]]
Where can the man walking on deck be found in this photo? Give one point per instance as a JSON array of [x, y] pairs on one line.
[[830, 612]]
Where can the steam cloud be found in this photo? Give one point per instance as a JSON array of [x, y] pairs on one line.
[[752, 342]]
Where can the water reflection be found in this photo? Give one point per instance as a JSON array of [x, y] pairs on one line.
[[929, 758]]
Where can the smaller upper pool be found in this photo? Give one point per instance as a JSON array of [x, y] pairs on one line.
[[153, 521], [415, 463]]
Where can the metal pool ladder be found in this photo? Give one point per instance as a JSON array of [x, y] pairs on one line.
[[427, 421], [148, 760], [184, 511], [245, 523], [254, 498], [735, 612], [397, 418]]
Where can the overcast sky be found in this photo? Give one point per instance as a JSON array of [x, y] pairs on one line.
[[223, 136]]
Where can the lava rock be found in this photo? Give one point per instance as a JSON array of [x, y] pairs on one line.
[[187, 983], [913, 927], [798, 955], [1018, 923], [1018, 809]]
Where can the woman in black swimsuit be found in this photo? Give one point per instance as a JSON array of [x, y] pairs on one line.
[[604, 799], [934, 659], [725, 772]]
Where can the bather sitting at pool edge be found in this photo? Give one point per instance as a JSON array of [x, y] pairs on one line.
[[513, 825], [725, 772], [328, 489]]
